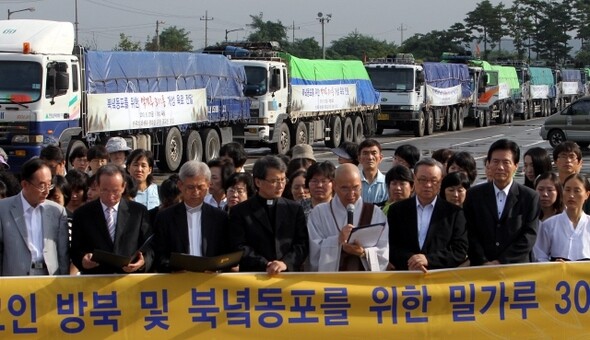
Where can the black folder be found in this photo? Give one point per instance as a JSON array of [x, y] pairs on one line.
[[115, 260], [202, 264]]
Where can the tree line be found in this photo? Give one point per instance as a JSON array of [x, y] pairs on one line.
[[538, 29]]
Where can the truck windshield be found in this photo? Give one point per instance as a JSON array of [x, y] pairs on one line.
[[20, 81], [256, 80], [392, 79]]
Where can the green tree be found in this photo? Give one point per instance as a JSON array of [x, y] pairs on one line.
[[461, 35], [360, 46], [125, 44], [486, 22], [171, 39], [305, 48], [520, 23], [267, 30], [430, 46]]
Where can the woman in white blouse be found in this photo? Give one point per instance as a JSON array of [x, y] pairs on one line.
[[566, 236]]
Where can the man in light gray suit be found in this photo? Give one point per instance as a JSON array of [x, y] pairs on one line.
[[33, 230]]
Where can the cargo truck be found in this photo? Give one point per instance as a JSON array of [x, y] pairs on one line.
[[421, 97], [297, 100], [181, 106]]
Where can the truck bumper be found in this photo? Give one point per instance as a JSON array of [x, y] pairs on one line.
[[257, 133], [544, 132], [19, 154], [392, 119]]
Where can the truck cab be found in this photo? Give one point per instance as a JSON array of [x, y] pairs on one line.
[[40, 92], [400, 81]]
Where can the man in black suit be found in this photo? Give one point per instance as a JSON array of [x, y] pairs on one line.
[[426, 232], [111, 224], [271, 230], [502, 215], [191, 226]]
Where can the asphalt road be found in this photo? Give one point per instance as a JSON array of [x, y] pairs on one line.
[[472, 139]]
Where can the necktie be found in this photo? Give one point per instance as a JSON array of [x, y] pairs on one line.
[[111, 222]]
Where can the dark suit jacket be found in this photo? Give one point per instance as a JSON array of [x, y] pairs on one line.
[[89, 232], [171, 228], [509, 239], [446, 242], [252, 232]]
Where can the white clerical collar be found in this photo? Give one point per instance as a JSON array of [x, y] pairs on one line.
[[193, 210]]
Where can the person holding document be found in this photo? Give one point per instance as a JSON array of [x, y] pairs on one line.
[[426, 232], [111, 224], [332, 227], [191, 226]]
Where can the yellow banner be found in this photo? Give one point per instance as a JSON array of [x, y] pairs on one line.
[[531, 301]]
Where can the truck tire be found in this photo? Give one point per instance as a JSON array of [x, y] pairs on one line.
[[501, 118], [420, 125], [172, 151], [460, 119], [300, 135], [283, 143], [347, 130], [429, 123], [335, 133], [453, 122], [211, 144], [487, 118], [358, 129], [555, 137], [193, 146], [480, 119], [72, 145], [510, 112]]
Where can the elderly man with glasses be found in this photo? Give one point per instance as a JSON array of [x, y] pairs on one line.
[[33, 230]]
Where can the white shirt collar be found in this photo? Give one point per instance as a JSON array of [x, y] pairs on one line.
[[192, 210], [115, 207], [506, 190], [418, 204], [26, 204]]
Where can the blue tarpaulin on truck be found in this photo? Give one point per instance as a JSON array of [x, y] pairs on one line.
[[541, 76], [446, 75], [141, 72]]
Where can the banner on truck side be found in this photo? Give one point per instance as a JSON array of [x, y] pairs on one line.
[[520, 301], [437, 96], [569, 88], [539, 91], [311, 98], [128, 111]]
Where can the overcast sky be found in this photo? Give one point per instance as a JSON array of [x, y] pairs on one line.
[[101, 21]]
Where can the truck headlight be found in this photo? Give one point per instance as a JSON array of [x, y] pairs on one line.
[[27, 139]]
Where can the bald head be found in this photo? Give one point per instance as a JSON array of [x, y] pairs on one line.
[[348, 183]]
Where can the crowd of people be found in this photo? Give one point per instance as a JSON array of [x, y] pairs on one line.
[[293, 213]]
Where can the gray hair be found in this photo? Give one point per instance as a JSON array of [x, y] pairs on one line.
[[194, 169], [427, 161]]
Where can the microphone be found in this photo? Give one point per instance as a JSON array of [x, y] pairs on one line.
[[349, 213]]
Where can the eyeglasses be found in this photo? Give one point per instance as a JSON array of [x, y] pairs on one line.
[[195, 187], [568, 157], [43, 187], [320, 181], [238, 191], [347, 190], [276, 181], [432, 181]]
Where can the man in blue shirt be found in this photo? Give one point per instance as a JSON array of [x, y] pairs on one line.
[[373, 181]]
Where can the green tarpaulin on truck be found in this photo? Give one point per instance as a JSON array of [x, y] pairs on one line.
[[541, 76], [507, 74]]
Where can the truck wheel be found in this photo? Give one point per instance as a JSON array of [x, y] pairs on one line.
[[211, 144], [480, 119], [487, 118], [453, 125], [171, 158], [429, 123], [460, 119], [300, 134], [193, 150], [347, 131], [283, 143], [358, 129], [379, 131], [72, 145], [501, 118], [420, 125], [335, 133]]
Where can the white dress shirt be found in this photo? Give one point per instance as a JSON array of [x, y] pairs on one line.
[[209, 199], [424, 216], [34, 225], [195, 237], [501, 196], [558, 238], [115, 213]]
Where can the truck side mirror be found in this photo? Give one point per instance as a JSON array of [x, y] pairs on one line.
[[420, 78]]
